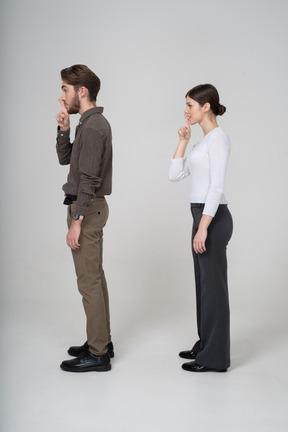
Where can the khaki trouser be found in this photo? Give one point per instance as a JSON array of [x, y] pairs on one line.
[[90, 275]]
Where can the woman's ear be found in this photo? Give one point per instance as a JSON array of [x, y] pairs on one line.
[[206, 107]]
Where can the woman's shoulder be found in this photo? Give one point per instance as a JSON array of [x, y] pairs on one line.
[[218, 136]]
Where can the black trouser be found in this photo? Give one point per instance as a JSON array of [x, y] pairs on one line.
[[212, 300]]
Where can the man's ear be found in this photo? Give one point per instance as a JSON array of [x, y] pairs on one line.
[[83, 92]]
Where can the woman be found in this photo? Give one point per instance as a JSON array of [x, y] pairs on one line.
[[212, 227]]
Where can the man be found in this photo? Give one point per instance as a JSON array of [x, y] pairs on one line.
[[89, 180]]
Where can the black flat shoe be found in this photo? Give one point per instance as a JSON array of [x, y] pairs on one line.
[[76, 351], [194, 367], [190, 355], [87, 362]]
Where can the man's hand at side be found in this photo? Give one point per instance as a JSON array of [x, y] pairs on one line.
[[72, 238]]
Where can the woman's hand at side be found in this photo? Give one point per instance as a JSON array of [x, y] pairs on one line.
[[200, 237], [199, 240]]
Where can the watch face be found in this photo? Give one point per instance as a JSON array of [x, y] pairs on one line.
[[75, 216]]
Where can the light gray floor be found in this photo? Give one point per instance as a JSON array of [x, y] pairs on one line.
[[146, 390]]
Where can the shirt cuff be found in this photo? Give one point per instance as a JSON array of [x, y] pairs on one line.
[[63, 134], [210, 210], [82, 209]]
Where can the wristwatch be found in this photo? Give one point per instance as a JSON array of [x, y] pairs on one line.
[[76, 216]]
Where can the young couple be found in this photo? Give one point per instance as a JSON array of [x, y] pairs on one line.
[[90, 180]]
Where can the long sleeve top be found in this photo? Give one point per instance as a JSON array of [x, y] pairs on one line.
[[90, 158], [206, 164]]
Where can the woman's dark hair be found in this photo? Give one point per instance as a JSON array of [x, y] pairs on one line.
[[80, 75], [204, 93]]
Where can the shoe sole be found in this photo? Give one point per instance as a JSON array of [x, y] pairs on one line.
[[89, 369], [204, 370], [187, 357]]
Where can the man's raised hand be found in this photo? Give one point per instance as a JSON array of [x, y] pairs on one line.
[[63, 117]]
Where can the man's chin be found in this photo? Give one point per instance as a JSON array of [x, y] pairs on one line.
[[72, 111]]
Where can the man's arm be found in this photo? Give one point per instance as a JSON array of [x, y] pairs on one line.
[[90, 163], [63, 146]]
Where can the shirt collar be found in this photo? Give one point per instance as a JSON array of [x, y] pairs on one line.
[[89, 112]]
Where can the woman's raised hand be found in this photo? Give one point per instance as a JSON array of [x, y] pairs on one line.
[[185, 132]]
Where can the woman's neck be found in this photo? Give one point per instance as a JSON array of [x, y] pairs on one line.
[[207, 125]]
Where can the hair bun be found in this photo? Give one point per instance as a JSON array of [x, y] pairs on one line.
[[222, 109]]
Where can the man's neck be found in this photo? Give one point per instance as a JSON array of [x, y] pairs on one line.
[[86, 106]]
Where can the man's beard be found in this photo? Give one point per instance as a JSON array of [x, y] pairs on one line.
[[74, 106]]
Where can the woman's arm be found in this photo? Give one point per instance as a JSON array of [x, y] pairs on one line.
[[219, 148], [178, 169]]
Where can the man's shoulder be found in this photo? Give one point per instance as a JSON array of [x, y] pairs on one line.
[[98, 122]]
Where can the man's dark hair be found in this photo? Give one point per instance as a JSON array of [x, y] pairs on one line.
[[80, 75]]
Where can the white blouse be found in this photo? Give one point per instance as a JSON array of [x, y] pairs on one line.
[[206, 164]]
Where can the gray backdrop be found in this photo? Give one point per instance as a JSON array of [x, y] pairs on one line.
[[147, 54]]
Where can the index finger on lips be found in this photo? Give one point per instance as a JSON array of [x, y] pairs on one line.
[[62, 104], [186, 120]]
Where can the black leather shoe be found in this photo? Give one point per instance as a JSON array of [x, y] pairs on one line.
[[194, 367], [190, 355], [110, 349], [87, 362], [76, 351]]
